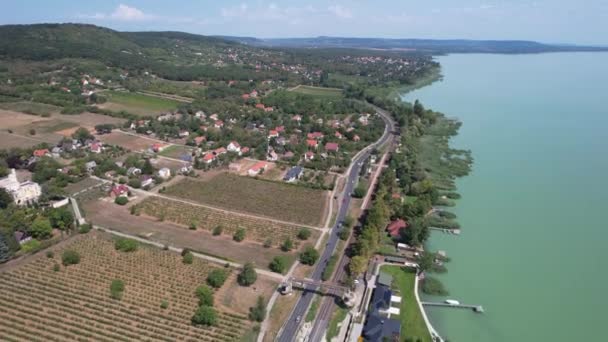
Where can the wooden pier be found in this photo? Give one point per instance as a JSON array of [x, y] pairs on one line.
[[454, 231], [476, 308]]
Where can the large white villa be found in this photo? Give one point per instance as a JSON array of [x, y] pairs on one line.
[[23, 192]]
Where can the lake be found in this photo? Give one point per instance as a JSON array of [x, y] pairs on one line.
[[532, 212]]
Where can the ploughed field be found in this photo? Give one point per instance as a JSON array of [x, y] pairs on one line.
[[73, 304], [258, 197], [259, 230]]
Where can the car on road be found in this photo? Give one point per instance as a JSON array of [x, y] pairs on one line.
[[298, 319]]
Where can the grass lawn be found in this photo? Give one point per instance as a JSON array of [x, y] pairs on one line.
[[333, 329], [318, 91], [30, 107], [137, 103], [312, 311], [175, 151], [412, 323], [245, 194]]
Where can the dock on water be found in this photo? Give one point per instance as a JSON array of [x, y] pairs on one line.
[[476, 308], [454, 231]]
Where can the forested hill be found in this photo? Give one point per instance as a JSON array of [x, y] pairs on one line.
[[175, 55], [433, 46]]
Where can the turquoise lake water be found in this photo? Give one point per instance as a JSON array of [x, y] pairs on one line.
[[533, 212]]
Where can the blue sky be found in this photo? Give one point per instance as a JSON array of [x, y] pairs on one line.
[[560, 21]]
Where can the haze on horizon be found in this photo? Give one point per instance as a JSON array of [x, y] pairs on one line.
[[549, 21]]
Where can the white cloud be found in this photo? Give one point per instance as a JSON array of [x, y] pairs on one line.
[[340, 12], [128, 13]]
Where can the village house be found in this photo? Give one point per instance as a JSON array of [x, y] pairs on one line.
[[257, 168], [315, 135], [273, 133], [338, 135], [41, 153], [244, 150], [308, 156], [164, 173], [183, 133], [96, 147], [90, 166], [293, 174], [312, 143], [200, 114], [234, 147], [254, 93], [332, 147], [157, 147], [219, 151], [22, 192], [199, 140], [260, 106], [297, 118], [218, 124], [147, 181], [356, 138], [119, 190], [208, 158], [133, 171], [394, 228]]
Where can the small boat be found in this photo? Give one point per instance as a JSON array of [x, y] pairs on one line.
[[452, 302]]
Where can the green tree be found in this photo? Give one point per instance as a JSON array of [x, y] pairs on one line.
[[357, 265], [218, 230], [121, 200], [188, 258], [287, 245], [70, 257], [205, 295], [116, 288], [359, 192], [216, 278], [41, 228], [82, 134], [5, 198], [125, 245], [278, 264], [258, 312], [205, 315], [248, 275], [304, 234], [309, 256], [239, 235], [147, 168], [61, 218]]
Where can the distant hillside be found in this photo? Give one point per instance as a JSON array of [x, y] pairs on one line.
[[434, 46], [173, 55]]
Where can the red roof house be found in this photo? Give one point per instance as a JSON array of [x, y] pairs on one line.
[[273, 133], [41, 153], [395, 227], [208, 158], [259, 106], [119, 190], [199, 140], [245, 96], [312, 143], [257, 168], [332, 147], [315, 135]]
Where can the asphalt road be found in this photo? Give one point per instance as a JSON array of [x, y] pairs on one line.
[[292, 324]]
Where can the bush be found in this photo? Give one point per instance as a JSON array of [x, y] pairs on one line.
[[188, 258], [343, 234], [205, 295], [121, 200], [309, 256], [205, 315], [218, 230], [84, 228], [304, 234], [287, 245], [192, 226], [359, 192], [134, 183], [239, 235], [278, 264], [216, 278], [258, 312], [70, 257], [125, 245], [56, 268], [268, 243], [50, 254], [248, 275], [433, 286], [32, 131], [116, 288], [164, 304], [41, 228]]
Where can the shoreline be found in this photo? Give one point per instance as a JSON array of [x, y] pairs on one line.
[[398, 94]]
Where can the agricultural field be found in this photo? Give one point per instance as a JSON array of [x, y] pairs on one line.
[[73, 303], [28, 107], [137, 104], [129, 141], [244, 194], [109, 215], [318, 91], [176, 152], [183, 213]]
